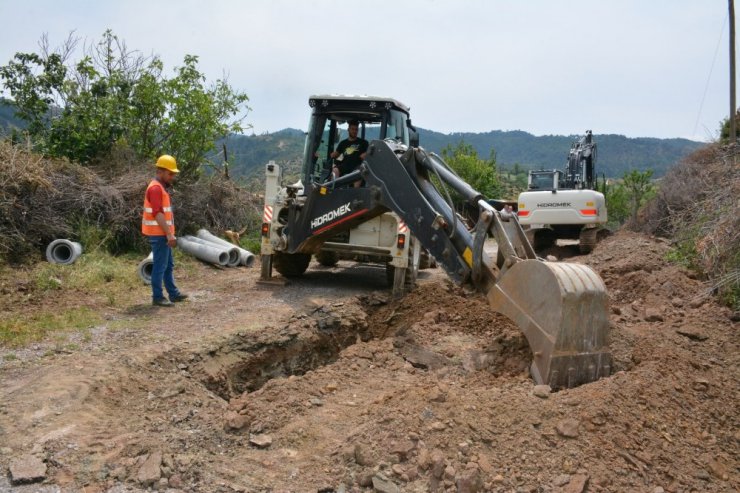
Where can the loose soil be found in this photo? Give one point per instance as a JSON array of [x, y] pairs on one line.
[[328, 385]]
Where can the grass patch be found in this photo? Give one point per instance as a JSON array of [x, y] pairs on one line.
[[252, 243], [96, 279], [684, 253], [77, 294], [95, 273], [19, 330]]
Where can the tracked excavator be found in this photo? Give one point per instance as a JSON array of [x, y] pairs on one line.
[[564, 204], [560, 307]]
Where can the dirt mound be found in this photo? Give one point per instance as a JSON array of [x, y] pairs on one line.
[[436, 396]]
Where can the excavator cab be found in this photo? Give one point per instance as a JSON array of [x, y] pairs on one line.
[[543, 180], [379, 119]]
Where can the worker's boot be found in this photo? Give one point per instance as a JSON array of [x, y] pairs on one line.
[[180, 297], [162, 302]]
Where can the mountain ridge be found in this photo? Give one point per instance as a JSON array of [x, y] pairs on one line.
[[616, 153]]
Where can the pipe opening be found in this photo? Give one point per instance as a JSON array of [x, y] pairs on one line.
[[62, 253]]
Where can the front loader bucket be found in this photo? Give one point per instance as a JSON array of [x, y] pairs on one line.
[[562, 310]]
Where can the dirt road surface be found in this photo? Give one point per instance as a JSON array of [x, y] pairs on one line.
[[327, 385]]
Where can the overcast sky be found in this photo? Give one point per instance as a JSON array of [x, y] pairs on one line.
[[632, 67]]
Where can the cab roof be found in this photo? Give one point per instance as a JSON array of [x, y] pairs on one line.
[[319, 98]]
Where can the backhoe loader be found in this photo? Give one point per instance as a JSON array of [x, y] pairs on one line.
[[560, 307]]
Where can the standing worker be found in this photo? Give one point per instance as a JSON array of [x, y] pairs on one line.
[[158, 223]]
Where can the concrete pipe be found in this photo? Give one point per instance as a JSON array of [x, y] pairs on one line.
[[232, 251], [145, 269], [245, 257], [63, 252], [203, 252]]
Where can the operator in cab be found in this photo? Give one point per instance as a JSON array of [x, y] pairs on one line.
[[349, 153]]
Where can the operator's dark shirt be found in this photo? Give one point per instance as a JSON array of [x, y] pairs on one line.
[[349, 153]]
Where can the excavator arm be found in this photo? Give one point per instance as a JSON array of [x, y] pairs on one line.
[[560, 307]]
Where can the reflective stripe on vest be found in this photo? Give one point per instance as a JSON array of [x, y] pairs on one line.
[[149, 225]]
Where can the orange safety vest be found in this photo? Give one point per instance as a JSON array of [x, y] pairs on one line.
[[149, 224]]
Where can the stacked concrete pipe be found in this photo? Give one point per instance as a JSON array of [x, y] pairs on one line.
[[231, 250], [63, 252], [245, 256], [145, 269], [206, 252]]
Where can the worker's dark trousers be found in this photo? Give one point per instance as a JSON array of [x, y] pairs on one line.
[[162, 268]]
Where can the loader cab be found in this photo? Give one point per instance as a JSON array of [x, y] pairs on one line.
[[544, 180], [379, 118]]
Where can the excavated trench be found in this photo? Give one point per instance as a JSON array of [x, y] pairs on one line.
[[463, 335], [247, 360]]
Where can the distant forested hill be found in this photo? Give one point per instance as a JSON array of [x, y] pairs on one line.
[[616, 153], [8, 119]]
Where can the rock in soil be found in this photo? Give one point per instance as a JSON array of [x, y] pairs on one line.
[[27, 469], [382, 484], [568, 428], [469, 481], [260, 441], [541, 391], [653, 315], [577, 484], [363, 457], [150, 471], [693, 334]]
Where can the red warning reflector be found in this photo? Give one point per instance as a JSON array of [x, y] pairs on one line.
[[401, 241]]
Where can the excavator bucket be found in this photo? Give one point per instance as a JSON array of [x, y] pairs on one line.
[[562, 310]]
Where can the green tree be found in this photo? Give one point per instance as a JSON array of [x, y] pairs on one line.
[[617, 204], [79, 110], [724, 129], [638, 188], [481, 174]]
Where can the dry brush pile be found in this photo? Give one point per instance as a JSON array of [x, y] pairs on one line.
[[42, 199], [697, 206]]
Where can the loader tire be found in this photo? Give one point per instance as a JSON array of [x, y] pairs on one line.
[[291, 264], [409, 279], [426, 261], [327, 258]]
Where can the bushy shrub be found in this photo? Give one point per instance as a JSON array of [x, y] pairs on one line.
[[42, 199], [697, 207]]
